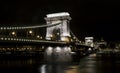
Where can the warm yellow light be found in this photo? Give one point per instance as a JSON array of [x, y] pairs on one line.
[[38, 36], [13, 33], [65, 39], [30, 31], [51, 35]]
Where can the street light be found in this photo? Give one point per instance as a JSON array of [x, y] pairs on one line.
[[71, 40], [39, 37], [51, 36], [13, 33], [30, 32]]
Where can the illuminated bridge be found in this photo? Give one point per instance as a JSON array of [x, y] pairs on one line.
[[58, 36]]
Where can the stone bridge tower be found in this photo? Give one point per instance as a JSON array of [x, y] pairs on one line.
[[60, 32]]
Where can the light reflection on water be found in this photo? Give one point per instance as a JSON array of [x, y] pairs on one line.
[[58, 54], [58, 61], [88, 64], [36, 66], [58, 68]]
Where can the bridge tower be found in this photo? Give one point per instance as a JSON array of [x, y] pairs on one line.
[[60, 32], [89, 41]]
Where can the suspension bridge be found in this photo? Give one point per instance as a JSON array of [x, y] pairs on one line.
[[58, 34]]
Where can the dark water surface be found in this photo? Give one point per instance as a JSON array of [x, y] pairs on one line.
[[88, 64]]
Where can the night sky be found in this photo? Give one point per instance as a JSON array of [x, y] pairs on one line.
[[97, 18]]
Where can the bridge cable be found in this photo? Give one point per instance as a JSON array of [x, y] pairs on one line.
[[74, 36], [29, 27]]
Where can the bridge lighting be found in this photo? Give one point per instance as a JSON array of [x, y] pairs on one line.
[[58, 33], [17, 39], [7, 27], [9, 39], [17, 27], [30, 32], [4, 28], [14, 27], [38, 36], [41, 37], [13, 33], [5, 38], [43, 47], [58, 49], [14, 39], [89, 49], [58, 14], [74, 38], [10, 27], [71, 40], [23, 39], [65, 39], [49, 51], [2, 38], [1, 28], [26, 40], [51, 35]]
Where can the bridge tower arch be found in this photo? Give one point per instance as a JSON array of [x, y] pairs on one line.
[[89, 41], [60, 32]]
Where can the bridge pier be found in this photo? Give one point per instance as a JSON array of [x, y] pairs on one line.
[[58, 54]]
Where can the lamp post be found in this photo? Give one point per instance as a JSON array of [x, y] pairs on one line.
[[13, 34], [39, 37], [30, 33]]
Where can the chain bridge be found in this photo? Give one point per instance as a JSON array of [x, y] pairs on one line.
[[57, 37]]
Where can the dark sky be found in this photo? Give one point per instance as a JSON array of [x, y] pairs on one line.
[[98, 18]]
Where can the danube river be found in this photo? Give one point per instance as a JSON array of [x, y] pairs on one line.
[[87, 64]]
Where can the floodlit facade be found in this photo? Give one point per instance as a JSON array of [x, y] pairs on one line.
[[59, 32], [89, 41]]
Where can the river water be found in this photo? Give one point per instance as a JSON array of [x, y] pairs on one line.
[[87, 64]]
